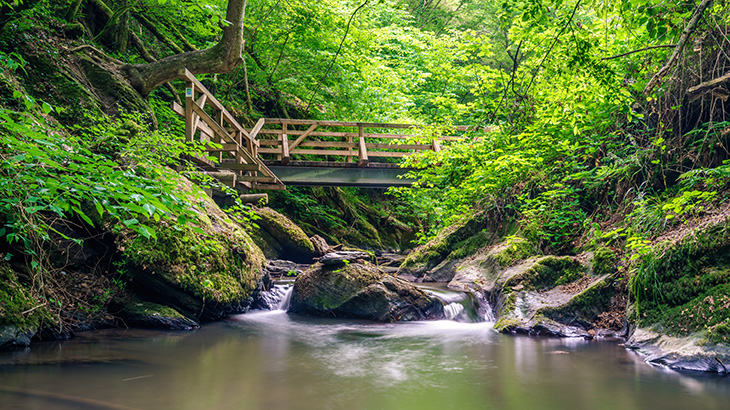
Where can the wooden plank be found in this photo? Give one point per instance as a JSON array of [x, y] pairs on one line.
[[299, 151], [226, 178], [337, 123], [389, 154], [240, 167], [356, 124], [189, 120], [254, 198], [269, 187], [201, 102], [284, 148], [256, 128], [248, 178], [280, 138], [334, 144], [436, 145], [267, 131], [362, 149], [344, 153], [303, 136], [224, 148]]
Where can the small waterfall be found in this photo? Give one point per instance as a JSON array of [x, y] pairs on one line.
[[276, 298], [453, 310], [284, 304], [461, 306]]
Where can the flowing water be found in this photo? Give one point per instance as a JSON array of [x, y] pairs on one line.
[[274, 360]]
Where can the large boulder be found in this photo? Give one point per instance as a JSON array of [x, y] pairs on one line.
[[358, 289], [206, 269], [688, 352], [280, 238]]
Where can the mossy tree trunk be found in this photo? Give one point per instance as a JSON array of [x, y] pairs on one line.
[[221, 58]]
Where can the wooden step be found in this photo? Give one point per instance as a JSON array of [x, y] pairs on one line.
[[269, 187], [267, 180], [240, 167]]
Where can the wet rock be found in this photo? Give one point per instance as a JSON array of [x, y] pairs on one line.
[[343, 258], [555, 296], [12, 336], [680, 353], [280, 267], [321, 247], [360, 290], [138, 313]]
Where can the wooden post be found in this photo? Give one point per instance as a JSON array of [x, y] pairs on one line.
[[238, 136], [436, 146], [255, 199], [363, 153], [189, 121], [281, 138], [219, 121], [349, 148], [284, 146]]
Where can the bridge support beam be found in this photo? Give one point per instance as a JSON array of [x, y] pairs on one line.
[[370, 177]]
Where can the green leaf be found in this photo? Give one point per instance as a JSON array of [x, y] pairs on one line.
[[33, 209], [149, 208], [99, 208], [130, 222]]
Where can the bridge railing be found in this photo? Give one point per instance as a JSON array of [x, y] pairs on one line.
[[235, 147], [280, 139]]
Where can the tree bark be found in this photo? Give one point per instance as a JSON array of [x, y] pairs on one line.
[[221, 58], [688, 30], [695, 92]]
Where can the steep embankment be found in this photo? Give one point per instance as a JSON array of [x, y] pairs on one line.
[[669, 298], [201, 270]]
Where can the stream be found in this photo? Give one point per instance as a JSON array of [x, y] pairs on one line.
[[273, 360]]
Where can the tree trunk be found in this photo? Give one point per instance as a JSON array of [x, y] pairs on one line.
[[221, 58]]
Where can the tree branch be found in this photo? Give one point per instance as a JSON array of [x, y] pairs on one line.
[[221, 58], [347, 30], [688, 30], [638, 51], [694, 92]]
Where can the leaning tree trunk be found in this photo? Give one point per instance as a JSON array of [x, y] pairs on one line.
[[221, 58]]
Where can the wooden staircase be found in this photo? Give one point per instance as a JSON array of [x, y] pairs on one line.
[[234, 147]]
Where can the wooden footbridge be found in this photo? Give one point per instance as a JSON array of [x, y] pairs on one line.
[[277, 152]]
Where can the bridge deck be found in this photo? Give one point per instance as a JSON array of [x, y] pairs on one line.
[[313, 173]]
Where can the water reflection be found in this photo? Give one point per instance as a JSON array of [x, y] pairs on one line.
[[272, 360]]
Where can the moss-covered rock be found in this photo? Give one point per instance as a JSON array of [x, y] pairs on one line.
[[21, 315], [547, 273], [604, 261], [684, 286], [461, 239], [360, 290], [207, 269], [280, 238], [138, 313]]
